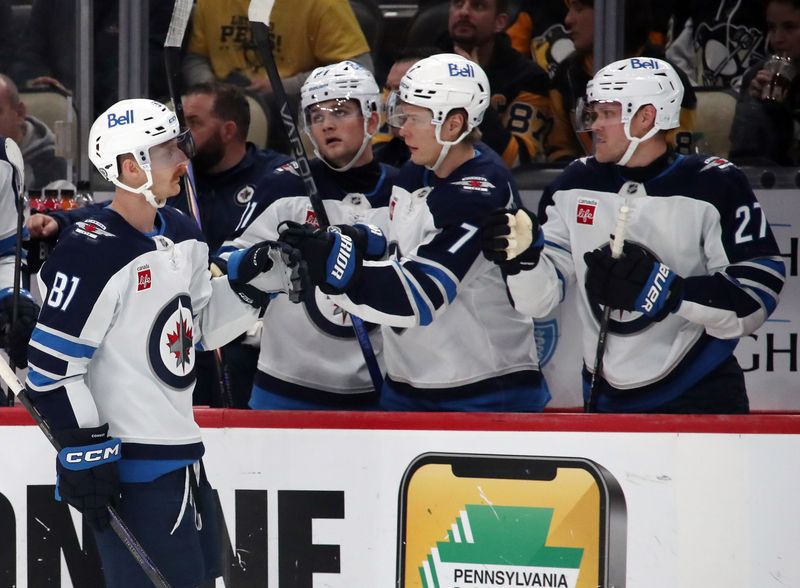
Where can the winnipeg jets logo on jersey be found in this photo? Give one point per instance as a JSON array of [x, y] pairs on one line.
[[170, 345], [474, 184], [290, 167], [92, 229], [713, 162], [587, 207], [244, 195]]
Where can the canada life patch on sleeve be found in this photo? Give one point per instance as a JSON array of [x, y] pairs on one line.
[[144, 278], [92, 229], [392, 206], [586, 210], [474, 184], [311, 217]]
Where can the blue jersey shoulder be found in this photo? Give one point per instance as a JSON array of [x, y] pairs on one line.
[[177, 226]]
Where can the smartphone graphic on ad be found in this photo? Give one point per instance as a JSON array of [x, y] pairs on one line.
[[478, 521]]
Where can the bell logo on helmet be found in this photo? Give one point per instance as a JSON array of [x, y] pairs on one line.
[[123, 119], [644, 63], [456, 71]]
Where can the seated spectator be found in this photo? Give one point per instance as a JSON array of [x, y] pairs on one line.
[[764, 127], [719, 41], [572, 75], [46, 55], [35, 140], [306, 34], [538, 32]]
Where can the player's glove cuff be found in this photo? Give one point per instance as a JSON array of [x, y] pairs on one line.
[[16, 340], [512, 241], [369, 239]]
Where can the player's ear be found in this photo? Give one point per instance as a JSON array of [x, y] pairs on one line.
[[374, 122]]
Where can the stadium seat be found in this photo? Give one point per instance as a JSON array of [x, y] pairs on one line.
[[370, 18], [714, 116], [51, 106]]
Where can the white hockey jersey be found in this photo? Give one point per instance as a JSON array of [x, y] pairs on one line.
[[699, 217], [449, 328], [123, 313], [8, 225]]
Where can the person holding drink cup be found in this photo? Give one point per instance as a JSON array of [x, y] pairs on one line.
[[763, 130]]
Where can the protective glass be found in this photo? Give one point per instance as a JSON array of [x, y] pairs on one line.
[[596, 114], [169, 154], [337, 111], [399, 117]]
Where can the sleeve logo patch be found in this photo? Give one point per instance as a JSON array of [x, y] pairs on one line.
[[92, 229], [586, 210], [311, 217], [144, 278], [244, 195], [474, 184]]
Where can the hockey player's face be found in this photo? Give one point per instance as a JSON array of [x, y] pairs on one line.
[[609, 135], [474, 22], [580, 23], [168, 165], [337, 127], [418, 132]]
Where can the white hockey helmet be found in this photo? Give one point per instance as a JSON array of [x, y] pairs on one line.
[[346, 80], [133, 126], [637, 82], [443, 83]]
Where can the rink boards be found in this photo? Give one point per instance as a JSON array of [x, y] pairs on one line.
[[319, 500]]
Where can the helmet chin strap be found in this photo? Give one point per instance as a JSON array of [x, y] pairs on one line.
[[144, 190], [634, 142], [445, 147]]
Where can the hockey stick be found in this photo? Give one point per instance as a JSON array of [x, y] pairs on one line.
[[120, 528], [259, 13], [14, 157], [597, 375], [181, 12]]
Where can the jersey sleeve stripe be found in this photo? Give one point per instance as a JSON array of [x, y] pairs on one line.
[[45, 362], [440, 276], [62, 345], [556, 246], [425, 314]]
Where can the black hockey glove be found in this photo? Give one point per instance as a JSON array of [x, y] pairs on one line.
[[334, 260], [368, 239], [15, 340], [266, 268], [498, 240], [87, 475], [635, 282]]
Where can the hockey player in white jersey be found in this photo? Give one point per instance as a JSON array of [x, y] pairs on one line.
[[14, 332], [700, 266], [128, 299], [320, 366], [452, 341]]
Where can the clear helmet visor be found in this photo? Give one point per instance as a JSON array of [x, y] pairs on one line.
[[401, 114], [172, 153], [331, 111], [598, 114]]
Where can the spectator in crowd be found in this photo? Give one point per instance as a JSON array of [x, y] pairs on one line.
[[572, 75], [451, 339], [538, 32], [692, 278], [764, 130], [306, 34], [341, 110], [46, 54], [35, 140], [719, 41], [227, 171], [517, 124]]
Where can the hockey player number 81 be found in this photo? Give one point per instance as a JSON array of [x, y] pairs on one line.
[[743, 213], [56, 297]]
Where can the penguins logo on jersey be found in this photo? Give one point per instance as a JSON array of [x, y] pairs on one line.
[[170, 344], [245, 195]]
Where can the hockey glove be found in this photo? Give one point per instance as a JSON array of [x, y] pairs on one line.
[[334, 261], [266, 268], [16, 340], [635, 282], [368, 239], [512, 241], [87, 475]]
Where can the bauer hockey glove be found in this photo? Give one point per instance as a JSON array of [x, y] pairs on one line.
[[263, 269], [87, 475], [332, 255], [635, 282], [512, 241], [15, 340]]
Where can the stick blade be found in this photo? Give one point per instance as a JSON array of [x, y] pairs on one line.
[[260, 11]]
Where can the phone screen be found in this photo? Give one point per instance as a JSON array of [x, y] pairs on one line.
[[474, 521]]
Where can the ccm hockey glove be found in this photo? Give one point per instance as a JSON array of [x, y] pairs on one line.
[[16, 340], [512, 241], [263, 269], [333, 258], [635, 282], [87, 476]]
